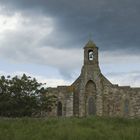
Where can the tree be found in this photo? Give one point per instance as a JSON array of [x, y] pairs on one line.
[[47, 103], [22, 96]]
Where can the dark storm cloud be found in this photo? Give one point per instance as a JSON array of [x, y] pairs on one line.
[[113, 23]]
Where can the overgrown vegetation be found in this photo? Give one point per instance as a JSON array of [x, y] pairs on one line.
[[23, 96], [92, 128]]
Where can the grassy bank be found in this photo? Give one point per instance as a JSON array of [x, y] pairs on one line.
[[69, 129]]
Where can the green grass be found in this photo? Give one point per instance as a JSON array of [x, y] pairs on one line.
[[92, 128]]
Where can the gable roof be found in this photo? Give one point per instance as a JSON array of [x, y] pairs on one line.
[[90, 44]]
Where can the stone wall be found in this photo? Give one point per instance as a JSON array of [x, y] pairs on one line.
[[121, 101], [110, 100], [93, 94], [64, 96]]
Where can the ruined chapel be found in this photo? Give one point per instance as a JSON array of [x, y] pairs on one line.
[[93, 94]]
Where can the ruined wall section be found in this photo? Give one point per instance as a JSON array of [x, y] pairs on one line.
[[134, 97], [64, 95], [50, 92], [121, 101]]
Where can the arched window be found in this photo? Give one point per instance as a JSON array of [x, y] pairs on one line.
[[76, 103], [126, 107], [90, 55], [59, 109], [91, 107], [90, 88]]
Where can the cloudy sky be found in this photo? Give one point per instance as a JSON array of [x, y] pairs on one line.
[[45, 38]]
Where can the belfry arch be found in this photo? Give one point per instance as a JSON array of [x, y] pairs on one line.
[[90, 98]]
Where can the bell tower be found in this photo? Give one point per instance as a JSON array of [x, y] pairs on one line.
[[88, 87], [90, 81], [91, 54]]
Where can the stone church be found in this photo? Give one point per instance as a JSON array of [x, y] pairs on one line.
[[93, 94]]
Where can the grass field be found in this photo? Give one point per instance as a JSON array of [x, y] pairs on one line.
[[92, 128]]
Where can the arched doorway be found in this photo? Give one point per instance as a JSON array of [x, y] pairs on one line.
[[59, 109], [91, 107], [90, 98]]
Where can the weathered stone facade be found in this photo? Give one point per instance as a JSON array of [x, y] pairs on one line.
[[93, 94]]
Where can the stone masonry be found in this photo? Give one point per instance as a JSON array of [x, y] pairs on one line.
[[93, 94]]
